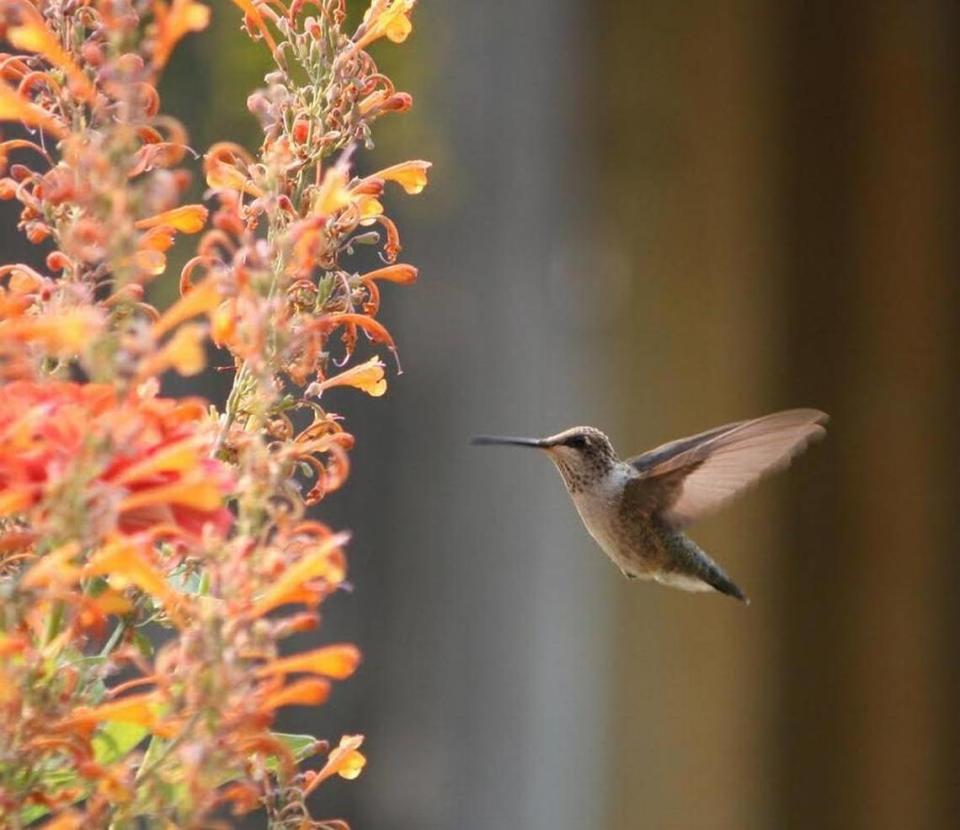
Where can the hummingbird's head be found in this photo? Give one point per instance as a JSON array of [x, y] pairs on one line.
[[582, 454]]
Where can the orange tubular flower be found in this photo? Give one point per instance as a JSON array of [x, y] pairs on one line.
[[382, 102], [333, 194], [400, 274], [173, 23], [374, 330], [253, 14], [32, 35], [410, 175], [13, 107], [367, 377], [222, 167], [323, 562], [69, 820], [54, 567], [61, 333], [184, 353], [386, 18], [337, 662], [201, 299], [120, 508], [186, 219], [345, 760], [158, 239], [143, 710], [310, 691], [123, 561]]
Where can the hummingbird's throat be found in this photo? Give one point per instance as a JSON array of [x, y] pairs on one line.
[[579, 472]]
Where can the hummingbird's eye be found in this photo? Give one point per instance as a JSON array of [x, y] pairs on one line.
[[578, 442]]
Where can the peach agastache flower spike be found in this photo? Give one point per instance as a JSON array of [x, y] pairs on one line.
[[124, 509]]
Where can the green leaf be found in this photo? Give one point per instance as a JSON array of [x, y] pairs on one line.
[[115, 740], [300, 746], [53, 780], [111, 743], [143, 644], [32, 813]]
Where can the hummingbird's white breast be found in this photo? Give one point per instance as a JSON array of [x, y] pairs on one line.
[[599, 508]]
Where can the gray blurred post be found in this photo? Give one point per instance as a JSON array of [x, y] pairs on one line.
[[481, 600]]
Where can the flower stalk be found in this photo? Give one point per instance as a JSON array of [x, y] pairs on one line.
[[124, 510]]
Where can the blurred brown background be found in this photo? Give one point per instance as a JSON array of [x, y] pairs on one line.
[[654, 217]]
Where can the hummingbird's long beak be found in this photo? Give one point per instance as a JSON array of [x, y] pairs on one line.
[[486, 440]]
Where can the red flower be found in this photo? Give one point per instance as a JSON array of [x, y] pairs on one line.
[[132, 463]]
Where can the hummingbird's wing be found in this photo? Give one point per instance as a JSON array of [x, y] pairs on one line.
[[684, 480]]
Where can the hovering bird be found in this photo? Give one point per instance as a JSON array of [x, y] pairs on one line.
[[637, 509]]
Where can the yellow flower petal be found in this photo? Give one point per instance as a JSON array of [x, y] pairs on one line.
[[398, 28], [367, 377], [55, 567], [140, 709], [351, 764], [223, 323], [14, 502], [201, 495], [410, 175], [202, 298], [325, 561], [222, 175], [151, 262], [332, 195], [390, 18], [345, 760], [370, 207], [180, 457], [61, 332], [122, 559], [186, 219], [157, 239], [185, 353], [113, 602]]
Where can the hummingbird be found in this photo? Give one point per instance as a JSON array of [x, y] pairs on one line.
[[637, 509]]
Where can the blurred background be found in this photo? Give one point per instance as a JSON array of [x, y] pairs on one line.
[[653, 217]]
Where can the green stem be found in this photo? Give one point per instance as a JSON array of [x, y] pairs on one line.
[[54, 621], [115, 637]]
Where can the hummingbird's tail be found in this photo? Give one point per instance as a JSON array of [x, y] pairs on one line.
[[690, 563], [716, 578]]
